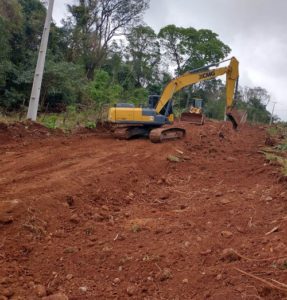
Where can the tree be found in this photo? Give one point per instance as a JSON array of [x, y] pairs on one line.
[[10, 23], [255, 100], [94, 23], [102, 90], [4, 53], [10, 10], [188, 48], [21, 24], [144, 50], [62, 85], [257, 96], [206, 49]]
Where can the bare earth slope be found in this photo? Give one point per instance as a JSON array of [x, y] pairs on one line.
[[99, 218]]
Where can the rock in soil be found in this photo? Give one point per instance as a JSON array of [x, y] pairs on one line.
[[40, 290], [173, 158], [165, 274], [83, 289], [116, 280], [75, 219], [226, 234], [8, 292], [71, 250], [69, 276], [4, 220], [131, 290], [229, 255], [219, 277], [58, 296], [7, 211], [70, 200], [7, 207]]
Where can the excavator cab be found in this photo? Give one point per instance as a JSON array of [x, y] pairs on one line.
[[153, 101], [166, 111], [195, 113]]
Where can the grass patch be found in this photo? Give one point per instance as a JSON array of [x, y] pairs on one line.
[[136, 228], [279, 129], [282, 146], [274, 158], [271, 157], [50, 121], [273, 130], [75, 116], [277, 154], [12, 118]]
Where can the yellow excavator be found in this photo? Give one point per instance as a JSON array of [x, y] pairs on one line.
[[156, 120]]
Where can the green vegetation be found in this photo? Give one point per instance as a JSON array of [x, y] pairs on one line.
[[103, 54], [74, 116], [278, 153], [278, 159], [272, 130]]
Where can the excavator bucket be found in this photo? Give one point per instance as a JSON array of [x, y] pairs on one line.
[[192, 118], [236, 117]]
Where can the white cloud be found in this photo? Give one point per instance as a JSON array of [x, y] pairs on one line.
[[60, 10]]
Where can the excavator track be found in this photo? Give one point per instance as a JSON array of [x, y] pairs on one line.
[[160, 135], [121, 133], [126, 133]]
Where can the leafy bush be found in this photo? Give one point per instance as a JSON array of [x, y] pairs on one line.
[[90, 124], [50, 121], [103, 90]]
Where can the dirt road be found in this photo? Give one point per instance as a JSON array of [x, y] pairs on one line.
[[98, 218]]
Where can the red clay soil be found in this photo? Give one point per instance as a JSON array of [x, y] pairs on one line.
[[97, 218]]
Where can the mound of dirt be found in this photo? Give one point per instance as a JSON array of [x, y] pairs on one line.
[[24, 130]]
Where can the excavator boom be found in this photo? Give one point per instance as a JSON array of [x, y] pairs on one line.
[[232, 75], [185, 80]]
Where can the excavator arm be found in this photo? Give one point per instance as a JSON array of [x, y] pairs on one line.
[[232, 75]]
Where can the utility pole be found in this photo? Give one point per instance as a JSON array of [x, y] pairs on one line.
[[38, 76], [271, 118]]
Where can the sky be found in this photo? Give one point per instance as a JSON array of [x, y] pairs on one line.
[[255, 30]]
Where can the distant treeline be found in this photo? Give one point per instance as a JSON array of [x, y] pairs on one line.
[[103, 53]]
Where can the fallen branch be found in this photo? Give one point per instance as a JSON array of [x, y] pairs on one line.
[[158, 267], [266, 282], [272, 230], [280, 283], [257, 259]]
